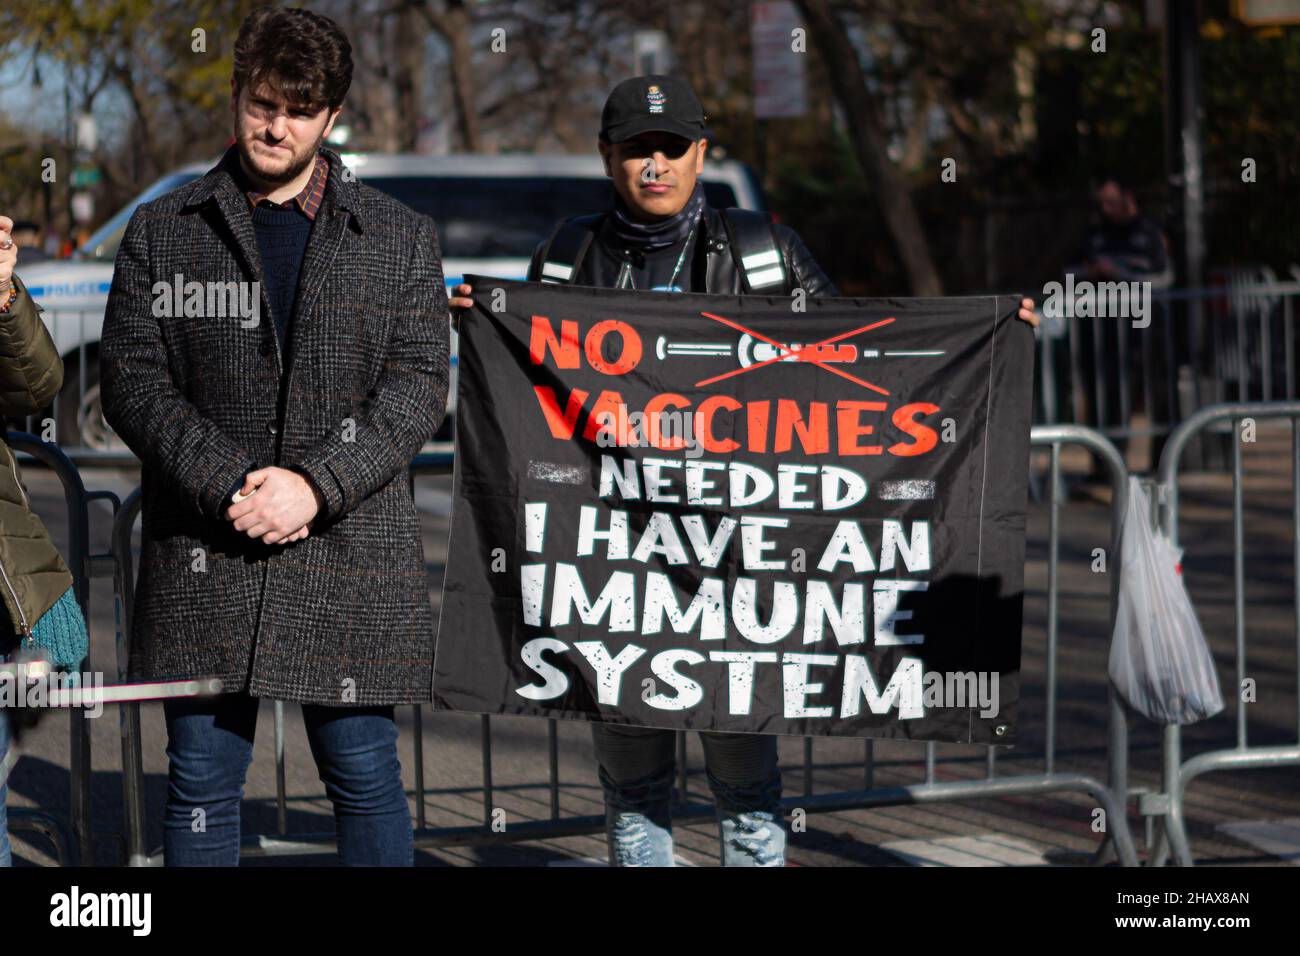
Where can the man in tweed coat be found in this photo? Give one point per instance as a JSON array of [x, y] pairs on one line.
[[275, 351]]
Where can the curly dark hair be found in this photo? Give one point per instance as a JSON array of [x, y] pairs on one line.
[[301, 55]]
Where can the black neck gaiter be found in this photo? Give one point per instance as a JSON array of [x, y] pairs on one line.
[[650, 236]]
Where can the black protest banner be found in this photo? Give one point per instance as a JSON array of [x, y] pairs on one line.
[[771, 515]]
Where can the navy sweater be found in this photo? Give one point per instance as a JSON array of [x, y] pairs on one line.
[[282, 234], [282, 240]]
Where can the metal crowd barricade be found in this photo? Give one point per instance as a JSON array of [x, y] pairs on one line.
[[73, 842], [1176, 773], [1230, 342], [1111, 796]]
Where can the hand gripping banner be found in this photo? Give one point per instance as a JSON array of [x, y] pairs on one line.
[[770, 515]]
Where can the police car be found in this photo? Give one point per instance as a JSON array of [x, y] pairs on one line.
[[491, 211]]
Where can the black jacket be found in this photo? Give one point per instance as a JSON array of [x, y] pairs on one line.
[[713, 265]]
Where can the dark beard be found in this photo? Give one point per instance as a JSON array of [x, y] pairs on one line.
[[279, 179]]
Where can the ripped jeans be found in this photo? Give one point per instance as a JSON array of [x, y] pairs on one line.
[[636, 773]]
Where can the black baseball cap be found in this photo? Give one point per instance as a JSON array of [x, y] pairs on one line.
[[649, 103]]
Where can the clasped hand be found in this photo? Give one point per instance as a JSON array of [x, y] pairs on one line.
[[276, 505]]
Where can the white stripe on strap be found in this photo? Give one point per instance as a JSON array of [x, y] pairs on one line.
[[758, 259], [556, 270], [767, 277]]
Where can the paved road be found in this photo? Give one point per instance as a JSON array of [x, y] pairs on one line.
[[988, 832]]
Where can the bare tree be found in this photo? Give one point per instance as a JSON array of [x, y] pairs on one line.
[[840, 59], [452, 21]]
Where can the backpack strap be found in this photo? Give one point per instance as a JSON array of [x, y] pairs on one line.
[[754, 248], [566, 248]]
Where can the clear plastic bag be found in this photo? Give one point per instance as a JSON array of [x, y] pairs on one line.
[[1159, 661]]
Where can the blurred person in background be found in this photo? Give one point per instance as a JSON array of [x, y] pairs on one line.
[[1120, 244], [29, 237]]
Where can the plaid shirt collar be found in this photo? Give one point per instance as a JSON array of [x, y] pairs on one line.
[[309, 199]]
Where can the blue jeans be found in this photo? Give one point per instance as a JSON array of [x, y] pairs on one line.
[[636, 774], [209, 748]]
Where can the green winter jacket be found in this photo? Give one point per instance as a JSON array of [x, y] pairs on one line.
[[33, 574]]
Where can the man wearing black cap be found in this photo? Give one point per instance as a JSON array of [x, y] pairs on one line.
[[661, 235]]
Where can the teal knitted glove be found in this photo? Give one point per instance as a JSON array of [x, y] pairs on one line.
[[61, 633]]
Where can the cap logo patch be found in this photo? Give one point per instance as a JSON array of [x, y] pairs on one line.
[[655, 99]]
